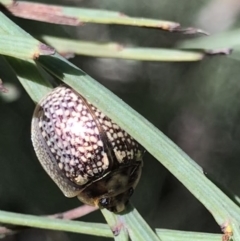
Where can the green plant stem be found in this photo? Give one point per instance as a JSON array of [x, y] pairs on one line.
[[130, 220], [96, 228], [119, 231], [77, 16], [175, 235], [115, 50]]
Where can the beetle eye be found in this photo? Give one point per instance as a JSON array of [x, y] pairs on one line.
[[103, 202]]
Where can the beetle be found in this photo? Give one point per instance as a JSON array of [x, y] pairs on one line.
[[84, 152]]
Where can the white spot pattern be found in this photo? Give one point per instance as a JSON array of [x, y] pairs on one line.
[[78, 135]]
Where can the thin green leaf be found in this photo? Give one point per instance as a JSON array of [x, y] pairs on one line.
[[114, 50], [176, 235], [111, 17], [137, 227], [31, 79], [9, 28], [118, 229], [23, 47], [97, 229], [229, 39], [77, 16]]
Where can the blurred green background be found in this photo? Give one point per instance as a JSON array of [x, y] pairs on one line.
[[196, 104]]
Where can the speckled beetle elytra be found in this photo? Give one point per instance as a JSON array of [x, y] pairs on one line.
[[84, 152]]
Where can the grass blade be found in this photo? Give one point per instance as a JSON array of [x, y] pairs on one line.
[[31, 79], [228, 39], [119, 231], [97, 229], [77, 16], [115, 50], [23, 47]]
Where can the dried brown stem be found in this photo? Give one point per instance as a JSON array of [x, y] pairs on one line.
[[74, 213], [41, 12]]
